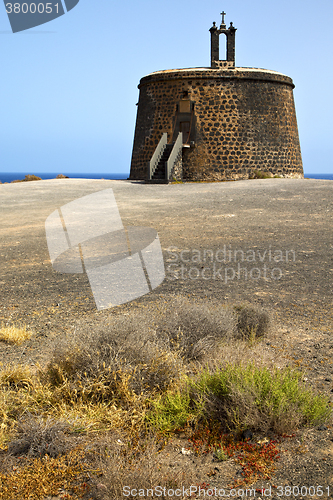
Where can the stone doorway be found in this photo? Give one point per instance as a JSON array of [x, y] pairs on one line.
[[185, 128]]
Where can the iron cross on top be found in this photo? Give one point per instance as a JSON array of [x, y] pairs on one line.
[[223, 14]]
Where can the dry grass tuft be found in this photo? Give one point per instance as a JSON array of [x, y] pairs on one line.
[[14, 335], [39, 478], [252, 321], [16, 377]]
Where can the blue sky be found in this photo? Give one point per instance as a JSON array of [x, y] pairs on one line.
[[69, 87]]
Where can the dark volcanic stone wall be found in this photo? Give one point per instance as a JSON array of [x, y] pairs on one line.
[[244, 120]]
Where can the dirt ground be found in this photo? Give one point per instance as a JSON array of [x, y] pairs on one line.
[[282, 230]]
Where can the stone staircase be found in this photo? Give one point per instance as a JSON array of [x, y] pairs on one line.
[[159, 174], [166, 158]]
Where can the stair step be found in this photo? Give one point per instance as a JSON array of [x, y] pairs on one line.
[[159, 174]]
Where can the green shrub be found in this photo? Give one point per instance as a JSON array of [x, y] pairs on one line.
[[242, 397], [220, 455], [171, 411]]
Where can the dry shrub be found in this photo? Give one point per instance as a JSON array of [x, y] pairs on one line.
[[36, 437], [31, 177], [121, 359], [27, 178], [193, 329], [136, 468], [238, 351], [144, 351], [252, 321]]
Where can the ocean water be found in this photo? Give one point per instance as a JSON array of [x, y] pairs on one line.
[[11, 176], [317, 176]]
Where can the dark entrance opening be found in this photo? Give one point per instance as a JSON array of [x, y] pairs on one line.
[[185, 128]]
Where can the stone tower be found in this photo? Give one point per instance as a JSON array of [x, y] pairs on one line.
[[218, 123]]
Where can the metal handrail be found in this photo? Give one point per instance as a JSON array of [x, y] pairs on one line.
[[157, 155], [174, 155]]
